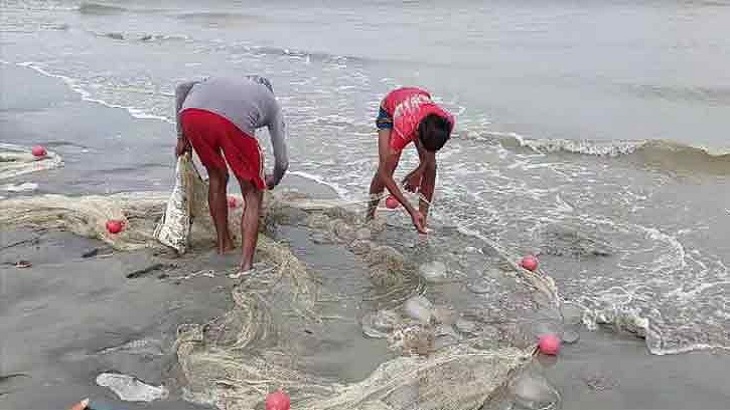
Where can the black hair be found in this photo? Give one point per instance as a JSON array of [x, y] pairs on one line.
[[434, 131]]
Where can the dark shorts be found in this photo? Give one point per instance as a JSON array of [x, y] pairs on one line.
[[384, 120]]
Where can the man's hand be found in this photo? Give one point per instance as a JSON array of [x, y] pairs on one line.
[[82, 405], [419, 221], [271, 181], [183, 146], [412, 181]]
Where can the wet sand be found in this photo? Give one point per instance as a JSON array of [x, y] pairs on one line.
[[605, 370], [63, 318]]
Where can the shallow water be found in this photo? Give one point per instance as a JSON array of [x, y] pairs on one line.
[[527, 81]]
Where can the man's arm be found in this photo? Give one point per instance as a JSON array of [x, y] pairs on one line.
[[388, 161], [278, 134], [428, 183], [181, 92]]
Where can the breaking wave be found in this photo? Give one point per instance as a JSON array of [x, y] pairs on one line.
[[292, 52], [99, 9], [76, 86], [140, 37], [664, 154], [208, 16]]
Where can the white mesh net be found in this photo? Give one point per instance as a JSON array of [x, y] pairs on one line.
[[456, 358]]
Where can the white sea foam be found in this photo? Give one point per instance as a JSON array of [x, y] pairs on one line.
[[341, 192], [75, 86]]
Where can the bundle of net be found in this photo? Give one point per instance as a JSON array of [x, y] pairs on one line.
[[454, 320], [16, 160], [457, 321], [145, 217]]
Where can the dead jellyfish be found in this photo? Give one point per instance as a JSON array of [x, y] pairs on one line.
[[466, 326], [433, 271], [445, 336], [571, 336], [378, 324], [419, 308], [532, 391], [363, 233]]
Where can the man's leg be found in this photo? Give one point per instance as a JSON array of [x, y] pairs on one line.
[[376, 185], [376, 189], [249, 222], [203, 130], [218, 204]]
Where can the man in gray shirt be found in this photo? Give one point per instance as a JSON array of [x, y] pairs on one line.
[[221, 115]]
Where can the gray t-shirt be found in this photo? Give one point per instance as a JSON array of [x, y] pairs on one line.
[[248, 103]]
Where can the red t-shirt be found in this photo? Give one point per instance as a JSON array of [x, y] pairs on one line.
[[407, 107]]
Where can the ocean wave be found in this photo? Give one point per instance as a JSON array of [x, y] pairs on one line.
[[99, 8], [219, 16], [140, 37], [74, 85], [719, 96], [659, 342], [715, 3], [664, 154], [20, 28], [291, 52], [585, 147], [341, 192]]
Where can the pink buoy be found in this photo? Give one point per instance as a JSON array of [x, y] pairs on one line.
[[391, 202], [278, 400], [114, 226], [549, 344], [529, 262], [38, 151], [232, 201]]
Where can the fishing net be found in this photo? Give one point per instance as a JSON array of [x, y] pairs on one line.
[[448, 349], [186, 203], [436, 325], [87, 216], [16, 160], [149, 219]]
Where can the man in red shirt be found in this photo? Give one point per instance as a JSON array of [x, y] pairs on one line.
[[409, 115]]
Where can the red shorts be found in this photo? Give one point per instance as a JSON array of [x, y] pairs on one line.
[[210, 133]]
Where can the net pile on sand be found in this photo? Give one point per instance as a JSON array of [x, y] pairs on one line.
[[16, 160], [87, 216], [140, 213], [451, 346], [455, 352], [234, 361]]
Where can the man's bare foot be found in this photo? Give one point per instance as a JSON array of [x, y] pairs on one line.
[[245, 266], [227, 246], [370, 214], [82, 405], [225, 249]]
